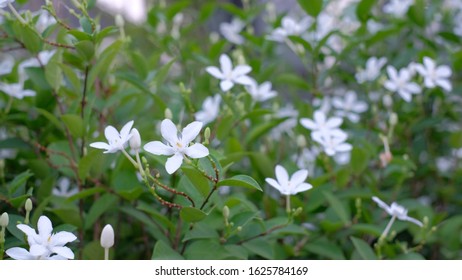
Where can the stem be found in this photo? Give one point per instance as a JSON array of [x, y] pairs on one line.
[[106, 254], [288, 204], [264, 233], [16, 14], [130, 158], [82, 106], [387, 229]]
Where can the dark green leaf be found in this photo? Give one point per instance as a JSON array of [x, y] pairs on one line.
[[192, 215], [363, 249], [240, 181]]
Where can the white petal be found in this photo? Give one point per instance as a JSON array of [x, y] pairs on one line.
[[392, 73], [415, 221], [124, 132], [44, 227], [111, 133], [18, 253], [334, 122], [63, 252], [309, 124], [38, 250], [30, 232], [100, 145], [381, 204], [197, 151], [173, 163], [274, 184], [241, 70], [344, 147], [226, 85], [62, 237], [390, 85], [214, 71], [405, 95], [243, 80], [298, 177], [413, 88], [190, 132], [301, 188], [158, 148], [444, 71], [282, 176], [169, 131], [225, 64], [445, 84]]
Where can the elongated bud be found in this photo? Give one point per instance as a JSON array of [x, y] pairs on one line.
[[107, 237], [4, 220], [168, 114], [28, 205], [119, 21], [207, 135], [301, 141], [298, 211], [393, 119], [135, 140], [226, 214]]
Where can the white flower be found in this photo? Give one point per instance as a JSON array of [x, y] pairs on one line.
[[231, 31], [307, 158], [349, 106], [320, 125], [4, 3], [261, 92], [398, 8], [434, 75], [289, 27], [107, 237], [135, 140], [178, 144], [6, 64], [372, 71], [44, 244], [228, 74], [396, 210], [400, 82], [116, 141], [16, 90], [63, 188], [333, 143], [286, 126], [290, 186], [44, 20], [374, 26], [210, 110]]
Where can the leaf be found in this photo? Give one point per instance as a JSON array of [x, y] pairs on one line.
[[53, 72], [363, 249], [201, 231], [261, 129], [325, 249], [52, 118], [192, 215], [260, 247], [164, 252], [363, 9], [86, 193], [359, 160], [19, 181], [240, 181], [311, 7], [75, 124], [98, 208], [105, 60], [338, 207], [206, 250], [86, 49], [197, 179]]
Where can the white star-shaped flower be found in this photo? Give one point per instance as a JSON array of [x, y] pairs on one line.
[[178, 144], [4, 3], [230, 75], [210, 110], [289, 27], [63, 189], [396, 210], [116, 141], [349, 106], [261, 93], [16, 90], [231, 30], [434, 75], [398, 8], [321, 125], [333, 144], [400, 82], [44, 244], [372, 70], [291, 186], [6, 64]]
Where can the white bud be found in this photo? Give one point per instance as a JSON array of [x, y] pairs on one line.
[[168, 114], [119, 21], [4, 220], [387, 100], [301, 141], [393, 119], [28, 205], [107, 237], [135, 140]]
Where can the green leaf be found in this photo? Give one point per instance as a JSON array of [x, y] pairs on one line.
[[105, 61], [363, 9], [359, 160], [101, 205], [86, 49], [260, 247], [206, 250], [201, 231], [455, 140], [311, 7], [69, 215], [197, 179], [53, 72], [86, 193], [50, 117], [18, 182], [192, 215], [240, 181], [339, 208], [75, 124], [326, 249], [363, 249], [164, 252]]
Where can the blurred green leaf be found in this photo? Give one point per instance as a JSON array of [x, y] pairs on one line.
[[363, 249], [192, 215], [164, 252], [240, 181], [99, 207], [311, 7]]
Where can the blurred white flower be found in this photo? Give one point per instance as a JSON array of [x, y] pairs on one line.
[[307, 158], [4, 3], [261, 93], [231, 30], [116, 141], [4, 152], [134, 11], [16, 90], [349, 106], [400, 82], [44, 20], [289, 27], [135, 140], [398, 8], [228, 74], [178, 144], [286, 126], [44, 245], [210, 110], [63, 188], [321, 125], [396, 211], [372, 71], [333, 144], [343, 158], [434, 75], [292, 185], [374, 26], [6, 63]]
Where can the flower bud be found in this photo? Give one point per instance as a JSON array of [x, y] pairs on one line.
[[207, 135], [239, 228], [135, 140], [301, 141], [393, 119], [226, 212], [4, 220], [28, 205], [107, 237], [119, 21], [168, 114]]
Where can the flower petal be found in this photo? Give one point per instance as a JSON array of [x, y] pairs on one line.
[[63, 252], [381, 204], [309, 124], [18, 253], [274, 184], [125, 131], [415, 221], [173, 163], [62, 237], [44, 227], [243, 80], [169, 131], [214, 71], [158, 148], [301, 188], [38, 250], [100, 145], [111, 133], [190, 132], [225, 64], [30, 232], [282, 176], [226, 85], [197, 151], [241, 70], [298, 177]]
